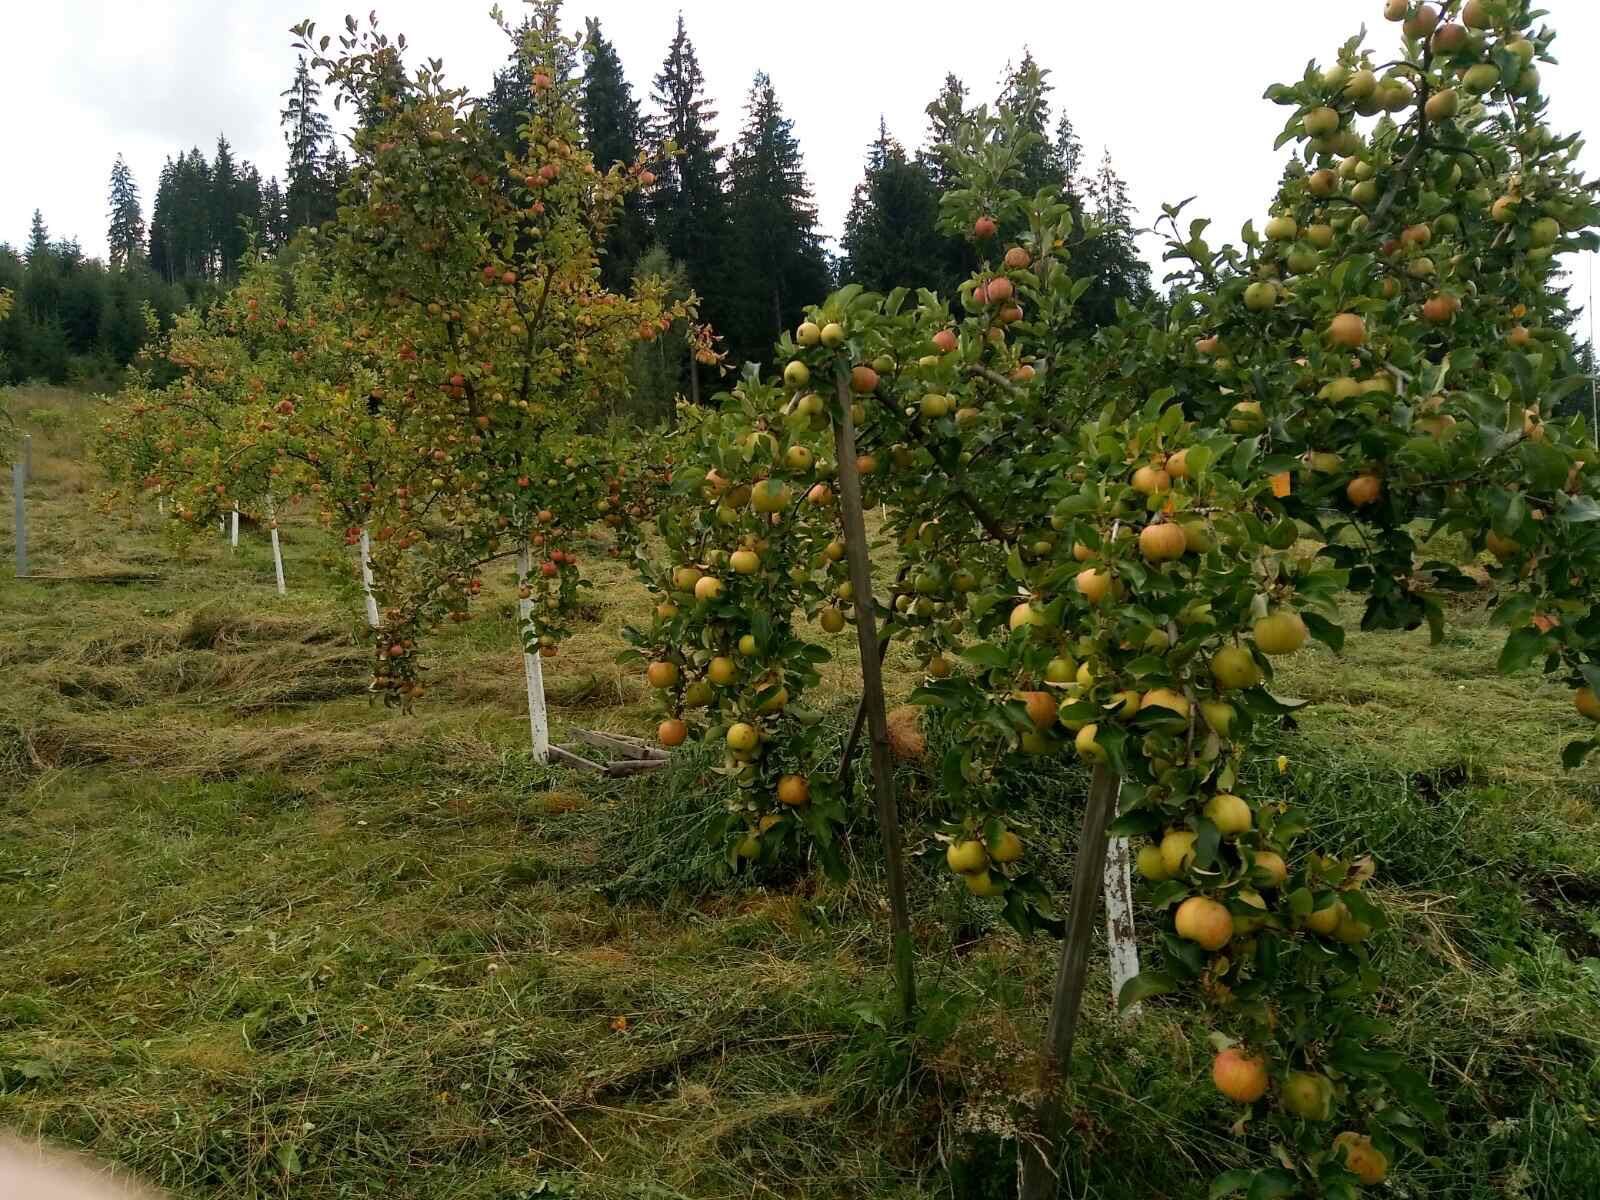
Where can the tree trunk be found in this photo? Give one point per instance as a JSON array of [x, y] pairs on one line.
[[855, 540], [1040, 1152]]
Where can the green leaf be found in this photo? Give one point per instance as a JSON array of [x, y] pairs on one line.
[[1521, 648], [1579, 509], [1229, 1183], [1131, 824], [987, 656], [1325, 631], [1515, 612], [1271, 1184], [1144, 985]]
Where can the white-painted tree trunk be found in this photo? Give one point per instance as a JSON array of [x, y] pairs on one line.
[[234, 537], [533, 669], [1123, 950], [366, 580], [277, 551]]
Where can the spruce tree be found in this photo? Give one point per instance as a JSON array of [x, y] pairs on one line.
[[613, 128], [777, 255], [890, 239], [125, 232], [688, 204], [309, 199], [1112, 253], [38, 252]]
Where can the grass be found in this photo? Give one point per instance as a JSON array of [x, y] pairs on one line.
[[259, 938]]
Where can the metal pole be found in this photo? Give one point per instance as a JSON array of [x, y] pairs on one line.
[[235, 538], [27, 457], [19, 477], [855, 541]]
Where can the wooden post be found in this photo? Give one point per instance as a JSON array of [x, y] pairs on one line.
[[533, 670], [1123, 949], [366, 580], [855, 540], [19, 478], [1039, 1152], [277, 550]]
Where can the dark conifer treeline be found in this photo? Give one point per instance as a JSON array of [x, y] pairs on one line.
[[734, 222]]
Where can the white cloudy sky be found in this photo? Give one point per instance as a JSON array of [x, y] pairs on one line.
[[1173, 87]]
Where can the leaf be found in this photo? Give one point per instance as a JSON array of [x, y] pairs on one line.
[[288, 1156], [1325, 631], [1131, 824], [1521, 648], [1271, 1184], [1144, 985], [1578, 510], [1229, 1183], [1515, 612], [869, 1014], [986, 655], [1573, 753]]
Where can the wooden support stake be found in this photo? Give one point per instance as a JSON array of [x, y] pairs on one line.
[[1039, 1153], [1123, 949], [366, 580], [19, 478], [277, 550], [533, 669], [855, 540]]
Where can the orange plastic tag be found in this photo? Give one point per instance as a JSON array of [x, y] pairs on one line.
[[1281, 485]]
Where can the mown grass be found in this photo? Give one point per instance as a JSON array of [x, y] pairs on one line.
[[261, 938]]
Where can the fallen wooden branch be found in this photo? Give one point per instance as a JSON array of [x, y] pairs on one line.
[[122, 578], [639, 756]]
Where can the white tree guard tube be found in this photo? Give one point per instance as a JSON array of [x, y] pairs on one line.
[[1123, 950], [277, 551], [234, 540], [366, 580], [533, 669]]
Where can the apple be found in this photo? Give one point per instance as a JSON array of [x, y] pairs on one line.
[[863, 380], [1321, 122], [1017, 259], [1092, 584], [672, 732], [1587, 703], [1150, 865], [967, 856], [1261, 295], [1088, 746], [1206, 923], [793, 790], [1308, 1096], [796, 374], [1166, 698], [708, 587], [1281, 632], [1239, 1076], [1544, 232], [1272, 863], [1229, 813], [1441, 106], [1325, 920], [1364, 1160], [1347, 331], [1177, 850], [832, 335], [1007, 848], [1152, 480], [1364, 490], [946, 340], [808, 334], [1481, 78], [984, 228], [662, 674], [1322, 183], [1234, 669], [1162, 543]]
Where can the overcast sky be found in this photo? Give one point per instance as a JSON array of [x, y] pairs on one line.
[[1172, 87]]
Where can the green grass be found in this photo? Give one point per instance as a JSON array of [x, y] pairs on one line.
[[259, 937]]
